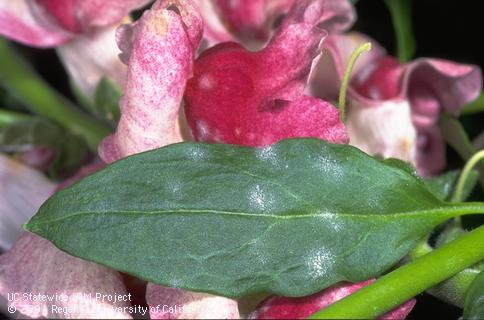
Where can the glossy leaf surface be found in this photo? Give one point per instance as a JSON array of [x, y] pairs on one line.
[[291, 218]]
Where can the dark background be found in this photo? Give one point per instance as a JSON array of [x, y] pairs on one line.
[[443, 28]]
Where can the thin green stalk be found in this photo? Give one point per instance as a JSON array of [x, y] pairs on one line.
[[475, 106], [346, 78], [473, 161], [401, 12], [8, 117], [409, 280], [27, 86]]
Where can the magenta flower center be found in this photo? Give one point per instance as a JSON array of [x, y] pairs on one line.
[[380, 81]]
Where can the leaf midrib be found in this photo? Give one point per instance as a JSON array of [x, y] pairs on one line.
[[450, 210]]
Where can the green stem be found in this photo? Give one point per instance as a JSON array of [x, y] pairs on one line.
[[475, 106], [456, 137], [8, 117], [409, 280], [22, 82], [401, 12], [346, 78], [473, 161]]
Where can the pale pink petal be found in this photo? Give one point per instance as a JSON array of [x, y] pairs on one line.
[[338, 16], [337, 50], [331, 15], [172, 303], [448, 84], [34, 266], [39, 158], [254, 21], [430, 151], [277, 307], [255, 98], [23, 21], [251, 20], [79, 16], [22, 191], [159, 49], [214, 30], [385, 130], [89, 57]]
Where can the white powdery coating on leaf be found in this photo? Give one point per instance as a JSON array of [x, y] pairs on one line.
[[320, 262], [260, 199], [160, 55]]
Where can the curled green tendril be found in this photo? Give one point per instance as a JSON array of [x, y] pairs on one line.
[[346, 78]]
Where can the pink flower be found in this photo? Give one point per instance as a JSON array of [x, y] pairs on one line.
[[22, 191], [83, 31], [256, 98], [172, 303], [394, 108], [277, 307], [253, 21]]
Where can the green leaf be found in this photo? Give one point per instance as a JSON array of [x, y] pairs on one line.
[[474, 303], [107, 101], [455, 135], [401, 12], [443, 186], [290, 219], [23, 135]]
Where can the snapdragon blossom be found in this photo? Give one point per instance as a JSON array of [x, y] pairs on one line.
[[394, 108], [257, 98]]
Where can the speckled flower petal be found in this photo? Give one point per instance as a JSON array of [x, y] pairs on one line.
[[277, 307], [34, 266], [24, 22], [89, 57], [172, 303], [159, 50], [22, 191], [79, 16], [303, 117], [255, 98]]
